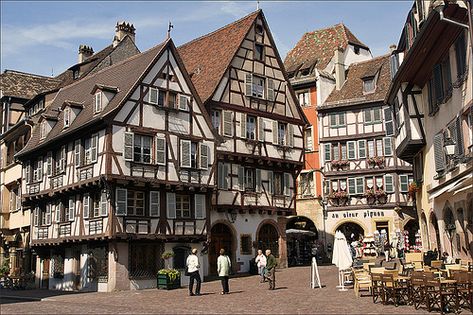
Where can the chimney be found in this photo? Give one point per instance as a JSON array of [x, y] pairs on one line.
[[121, 30], [85, 52], [339, 69], [392, 48]]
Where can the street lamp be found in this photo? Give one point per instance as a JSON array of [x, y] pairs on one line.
[[449, 147]]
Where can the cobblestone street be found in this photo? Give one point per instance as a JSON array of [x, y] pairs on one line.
[[247, 295]]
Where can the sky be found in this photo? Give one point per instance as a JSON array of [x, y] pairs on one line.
[[43, 37]]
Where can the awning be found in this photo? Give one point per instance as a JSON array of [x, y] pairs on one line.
[[296, 231], [466, 184], [450, 187]]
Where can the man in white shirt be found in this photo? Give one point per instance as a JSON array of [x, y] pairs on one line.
[[193, 266]]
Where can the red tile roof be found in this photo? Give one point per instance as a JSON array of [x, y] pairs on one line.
[[25, 85], [206, 58], [318, 47], [352, 90]]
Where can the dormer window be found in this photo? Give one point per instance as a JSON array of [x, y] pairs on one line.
[[67, 117], [75, 75], [98, 102], [369, 85], [43, 129]]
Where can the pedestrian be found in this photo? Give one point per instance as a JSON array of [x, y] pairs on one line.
[[192, 264], [271, 269], [260, 261], [223, 269]]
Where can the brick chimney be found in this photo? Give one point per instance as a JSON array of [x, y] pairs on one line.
[[85, 52], [339, 69], [123, 29]]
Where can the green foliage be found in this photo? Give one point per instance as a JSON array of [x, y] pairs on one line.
[[167, 255], [172, 274], [5, 267]]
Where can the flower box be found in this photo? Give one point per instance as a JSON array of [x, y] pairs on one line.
[[164, 281]]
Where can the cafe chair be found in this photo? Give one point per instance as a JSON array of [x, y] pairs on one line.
[[362, 280], [440, 294], [377, 291], [417, 292], [394, 290], [464, 289]]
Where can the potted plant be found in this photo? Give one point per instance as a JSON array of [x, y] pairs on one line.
[[413, 189], [370, 196], [168, 278], [376, 161], [338, 198], [381, 196], [339, 164]]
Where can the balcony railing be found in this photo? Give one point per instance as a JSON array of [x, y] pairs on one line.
[[137, 226], [64, 229], [42, 232], [56, 181], [96, 226], [85, 172]]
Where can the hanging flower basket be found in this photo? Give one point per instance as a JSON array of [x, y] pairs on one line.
[[413, 189], [376, 161], [339, 164], [370, 196], [381, 196], [339, 198]]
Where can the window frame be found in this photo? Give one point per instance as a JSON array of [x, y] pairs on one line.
[[141, 153], [180, 202]]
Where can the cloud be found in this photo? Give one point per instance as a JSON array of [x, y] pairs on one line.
[[237, 9]]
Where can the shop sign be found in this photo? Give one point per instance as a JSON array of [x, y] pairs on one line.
[[351, 214]]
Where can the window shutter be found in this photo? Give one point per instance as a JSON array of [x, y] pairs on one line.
[[275, 132], [457, 136], [241, 176], [199, 206], [248, 84], [404, 183], [221, 176], [377, 115], [260, 128], [361, 149], [368, 118], [171, 205], [351, 186], [36, 216], [77, 153], [287, 184], [94, 147], [185, 153], [64, 157], [360, 185], [388, 148], [351, 150], [270, 182], [160, 150], [49, 167], [86, 206], [388, 183], [128, 143], [258, 180], [270, 90], [226, 177], [227, 123], [153, 96], [71, 209], [204, 156], [40, 168], [183, 102], [60, 212], [243, 125], [121, 201], [103, 204], [48, 213], [439, 153], [438, 83], [28, 172], [154, 203], [327, 152], [290, 135], [388, 122]]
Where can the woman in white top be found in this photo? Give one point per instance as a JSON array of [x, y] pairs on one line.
[[260, 261]]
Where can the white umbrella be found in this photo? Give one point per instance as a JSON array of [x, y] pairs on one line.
[[341, 256]]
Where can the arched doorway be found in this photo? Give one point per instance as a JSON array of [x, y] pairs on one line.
[[412, 227], [434, 229], [352, 231], [302, 242], [450, 229], [221, 236], [425, 232], [268, 238]]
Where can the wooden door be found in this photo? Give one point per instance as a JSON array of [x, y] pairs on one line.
[[45, 275], [220, 237]]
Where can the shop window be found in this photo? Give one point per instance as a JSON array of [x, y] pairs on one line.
[[97, 262], [246, 244], [145, 260], [58, 266]]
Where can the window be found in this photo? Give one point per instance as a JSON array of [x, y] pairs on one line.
[[379, 147], [388, 149], [306, 184], [259, 52], [439, 85], [223, 178], [371, 148], [15, 199], [257, 87], [90, 149], [281, 134], [161, 152], [372, 115], [172, 100], [336, 152], [388, 121], [360, 185], [304, 98], [337, 120], [153, 96], [67, 117], [369, 85], [216, 120], [404, 183], [97, 102], [351, 150], [361, 149], [394, 62], [38, 170], [460, 55], [194, 155], [227, 123], [189, 154], [351, 186], [60, 159], [259, 29], [249, 179], [43, 129], [308, 139], [183, 206], [142, 148], [250, 127], [327, 152], [246, 244], [75, 74], [388, 183], [135, 202], [343, 151], [278, 183]]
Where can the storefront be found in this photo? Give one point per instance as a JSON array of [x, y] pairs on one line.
[[302, 241]]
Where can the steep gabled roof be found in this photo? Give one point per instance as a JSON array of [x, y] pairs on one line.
[[25, 85], [352, 91], [318, 47], [206, 58], [124, 75]]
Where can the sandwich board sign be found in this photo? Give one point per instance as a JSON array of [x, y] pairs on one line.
[[314, 275]]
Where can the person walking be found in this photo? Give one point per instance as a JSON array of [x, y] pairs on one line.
[[260, 261], [192, 264], [271, 269], [223, 269]]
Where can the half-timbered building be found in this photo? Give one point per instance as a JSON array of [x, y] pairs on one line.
[[119, 169], [241, 80], [431, 95], [365, 183]]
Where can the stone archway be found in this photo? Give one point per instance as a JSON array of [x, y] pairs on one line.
[[268, 237], [412, 227], [222, 235], [301, 237], [434, 233], [351, 227], [425, 232]]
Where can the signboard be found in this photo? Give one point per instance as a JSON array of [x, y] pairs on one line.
[[314, 275]]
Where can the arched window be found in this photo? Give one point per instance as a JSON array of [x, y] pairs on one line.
[[268, 238]]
